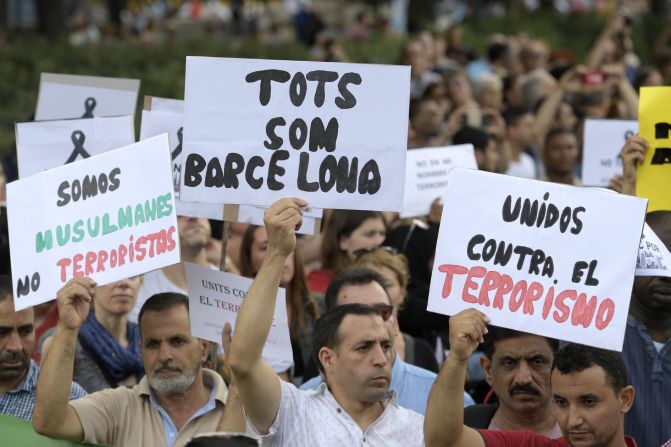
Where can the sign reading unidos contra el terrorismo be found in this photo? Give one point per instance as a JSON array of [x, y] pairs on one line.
[[539, 257], [256, 131], [107, 217]]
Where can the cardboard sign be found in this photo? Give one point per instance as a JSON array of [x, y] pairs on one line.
[[256, 131], [107, 217], [654, 259], [602, 142], [72, 96], [43, 145], [536, 256], [215, 298], [427, 172], [653, 178]]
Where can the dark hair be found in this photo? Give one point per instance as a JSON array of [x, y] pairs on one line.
[[5, 287], [355, 276], [558, 131], [497, 334], [416, 106], [325, 333], [575, 358], [162, 301], [513, 115], [471, 135]]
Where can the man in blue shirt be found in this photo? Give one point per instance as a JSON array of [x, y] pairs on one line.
[[18, 372], [364, 286]]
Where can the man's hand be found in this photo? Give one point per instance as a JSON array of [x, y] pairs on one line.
[[282, 220], [74, 300], [467, 331], [632, 154], [224, 368]]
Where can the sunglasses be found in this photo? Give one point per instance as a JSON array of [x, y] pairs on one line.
[[362, 251], [385, 310]]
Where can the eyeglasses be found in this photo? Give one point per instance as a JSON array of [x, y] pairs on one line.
[[385, 310], [362, 251]]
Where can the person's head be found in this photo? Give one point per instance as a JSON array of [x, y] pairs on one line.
[[486, 151], [172, 356], [17, 336], [652, 294], [517, 366], [194, 233], [648, 76], [458, 89], [347, 231], [426, 117], [535, 86], [117, 298], [534, 55], [566, 117], [590, 395], [520, 126], [489, 91], [561, 152], [352, 348], [393, 267]]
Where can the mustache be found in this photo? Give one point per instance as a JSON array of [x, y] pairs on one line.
[[12, 357], [523, 389], [167, 367]]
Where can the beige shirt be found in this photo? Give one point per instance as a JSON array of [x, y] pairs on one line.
[[126, 417]]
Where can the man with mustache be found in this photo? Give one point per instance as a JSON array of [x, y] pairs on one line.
[[18, 372], [176, 399], [517, 366]]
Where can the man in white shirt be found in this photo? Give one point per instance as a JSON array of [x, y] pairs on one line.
[[354, 352]]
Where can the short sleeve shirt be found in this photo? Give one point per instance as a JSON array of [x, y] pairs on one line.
[[508, 438]]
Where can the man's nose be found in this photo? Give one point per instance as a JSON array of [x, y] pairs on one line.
[[165, 352], [14, 342], [380, 356], [523, 374]]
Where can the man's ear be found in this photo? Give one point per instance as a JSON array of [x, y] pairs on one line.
[[627, 395], [486, 365], [327, 357], [205, 349]]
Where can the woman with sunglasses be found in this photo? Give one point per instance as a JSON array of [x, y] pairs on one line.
[[393, 267], [302, 309], [345, 232]]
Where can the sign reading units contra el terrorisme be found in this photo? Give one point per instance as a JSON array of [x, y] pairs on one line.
[[602, 142], [537, 256], [65, 96], [43, 145], [256, 131], [107, 217]]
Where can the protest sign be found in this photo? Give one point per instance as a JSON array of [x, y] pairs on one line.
[[107, 217], [602, 142], [654, 259], [43, 145], [536, 256], [256, 131], [426, 174], [653, 177], [72, 96], [252, 214], [215, 298]]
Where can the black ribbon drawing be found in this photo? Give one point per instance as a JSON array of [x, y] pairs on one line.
[[89, 105], [78, 139], [178, 149]]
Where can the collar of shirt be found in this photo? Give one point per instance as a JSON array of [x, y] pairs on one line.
[[29, 383], [323, 390]]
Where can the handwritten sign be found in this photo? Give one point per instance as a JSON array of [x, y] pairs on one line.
[[536, 256], [427, 172], [215, 298], [654, 259], [107, 217], [256, 131], [602, 142], [64, 96], [43, 145], [653, 179]]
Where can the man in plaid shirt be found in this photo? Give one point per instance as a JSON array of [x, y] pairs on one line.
[[18, 372]]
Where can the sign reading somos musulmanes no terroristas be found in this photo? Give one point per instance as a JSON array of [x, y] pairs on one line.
[[107, 217], [538, 257], [256, 131]]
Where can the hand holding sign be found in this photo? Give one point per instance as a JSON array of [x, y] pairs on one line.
[[74, 300], [632, 155], [282, 220], [467, 330]]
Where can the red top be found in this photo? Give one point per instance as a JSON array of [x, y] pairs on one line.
[[318, 280], [508, 438]]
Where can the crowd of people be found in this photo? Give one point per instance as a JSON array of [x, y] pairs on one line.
[[117, 364]]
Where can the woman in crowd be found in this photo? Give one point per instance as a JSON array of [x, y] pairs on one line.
[[108, 347], [302, 309], [345, 232]]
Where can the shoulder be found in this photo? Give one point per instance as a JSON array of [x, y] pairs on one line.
[[312, 384], [417, 373], [509, 438]]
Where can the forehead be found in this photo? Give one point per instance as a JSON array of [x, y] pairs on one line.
[[371, 293], [260, 235], [8, 317], [523, 346], [590, 380], [388, 274], [165, 323], [356, 328], [562, 139]]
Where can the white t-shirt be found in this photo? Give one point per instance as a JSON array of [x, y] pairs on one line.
[[524, 167]]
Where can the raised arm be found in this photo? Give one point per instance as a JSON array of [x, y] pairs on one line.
[[258, 384], [233, 419], [52, 415], [444, 420]]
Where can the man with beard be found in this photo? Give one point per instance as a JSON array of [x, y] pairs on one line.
[[18, 372], [174, 401], [517, 366]]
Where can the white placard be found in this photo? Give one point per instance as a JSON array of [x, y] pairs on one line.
[[427, 171], [654, 259], [539, 257], [602, 142], [215, 298], [107, 217], [43, 145], [254, 215], [72, 96], [338, 143]]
